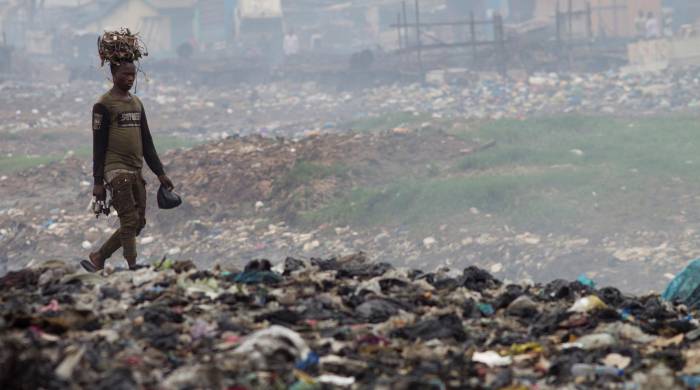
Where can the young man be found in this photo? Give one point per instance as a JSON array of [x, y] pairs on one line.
[[121, 141]]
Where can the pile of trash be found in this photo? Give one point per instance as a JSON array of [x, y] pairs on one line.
[[302, 144], [293, 109], [340, 322], [290, 176], [242, 195]]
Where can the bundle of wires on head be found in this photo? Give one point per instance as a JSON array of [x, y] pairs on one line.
[[120, 46]]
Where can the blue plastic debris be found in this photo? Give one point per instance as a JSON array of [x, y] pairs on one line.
[[486, 309], [692, 381], [685, 287], [584, 280], [310, 361]]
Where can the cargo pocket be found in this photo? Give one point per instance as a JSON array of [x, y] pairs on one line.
[[122, 194]]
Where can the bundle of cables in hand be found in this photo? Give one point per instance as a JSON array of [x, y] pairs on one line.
[[120, 46]]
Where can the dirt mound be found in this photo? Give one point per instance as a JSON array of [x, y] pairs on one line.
[[242, 193], [293, 176]]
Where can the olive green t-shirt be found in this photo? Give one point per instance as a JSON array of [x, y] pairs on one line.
[[124, 146], [121, 137]]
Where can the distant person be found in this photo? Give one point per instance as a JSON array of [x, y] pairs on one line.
[[121, 142], [652, 27], [667, 23], [291, 44], [640, 25]]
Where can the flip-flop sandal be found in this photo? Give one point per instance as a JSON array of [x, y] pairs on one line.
[[89, 266]]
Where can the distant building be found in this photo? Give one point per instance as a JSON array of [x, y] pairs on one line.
[[163, 24], [685, 12], [214, 22], [521, 10], [16, 17], [33, 25], [609, 17], [463, 8]]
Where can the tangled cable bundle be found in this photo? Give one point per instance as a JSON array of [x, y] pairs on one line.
[[120, 46]]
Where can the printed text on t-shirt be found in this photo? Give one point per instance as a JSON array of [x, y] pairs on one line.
[[129, 119]]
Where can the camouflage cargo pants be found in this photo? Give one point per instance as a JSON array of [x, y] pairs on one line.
[[129, 199]]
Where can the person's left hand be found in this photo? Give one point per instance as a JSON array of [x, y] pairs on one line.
[[165, 181]]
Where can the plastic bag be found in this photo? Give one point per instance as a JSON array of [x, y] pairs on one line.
[[685, 287]]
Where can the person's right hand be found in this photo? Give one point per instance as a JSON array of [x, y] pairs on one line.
[[98, 191]]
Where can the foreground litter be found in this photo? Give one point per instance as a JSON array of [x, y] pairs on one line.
[[333, 323]]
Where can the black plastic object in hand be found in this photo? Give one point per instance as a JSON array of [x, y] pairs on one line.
[[101, 207], [167, 199]]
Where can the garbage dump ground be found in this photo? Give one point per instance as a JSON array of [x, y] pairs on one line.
[[49, 119], [479, 171], [341, 322]]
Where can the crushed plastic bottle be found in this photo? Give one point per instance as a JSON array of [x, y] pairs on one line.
[[587, 304], [580, 369], [591, 341]]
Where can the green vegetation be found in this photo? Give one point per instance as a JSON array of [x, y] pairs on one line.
[[651, 146], [18, 163], [413, 201], [548, 172], [304, 171], [385, 122], [167, 142]]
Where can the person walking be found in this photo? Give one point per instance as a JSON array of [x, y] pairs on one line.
[[121, 142]]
